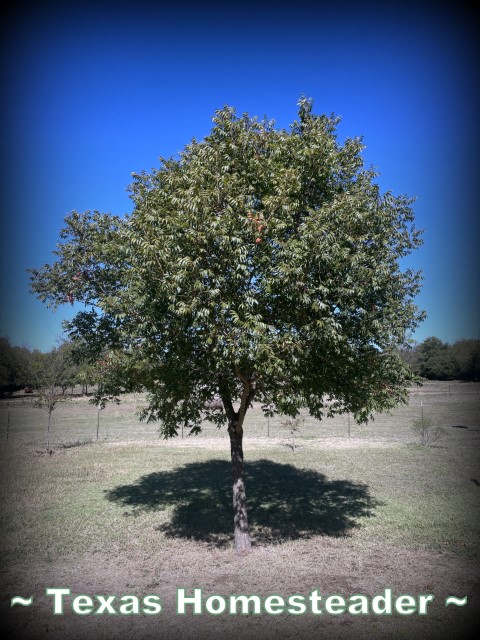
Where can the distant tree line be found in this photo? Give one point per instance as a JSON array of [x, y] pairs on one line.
[[22, 368], [437, 360]]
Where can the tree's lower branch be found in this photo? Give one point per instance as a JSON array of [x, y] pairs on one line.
[[226, 399]]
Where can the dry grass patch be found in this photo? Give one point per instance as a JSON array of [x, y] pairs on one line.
[[136, 514]]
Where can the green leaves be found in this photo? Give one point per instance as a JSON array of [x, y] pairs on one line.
[[259, 259]]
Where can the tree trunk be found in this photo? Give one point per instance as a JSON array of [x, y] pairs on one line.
[[47, 435], [242, 534], [243, 543]]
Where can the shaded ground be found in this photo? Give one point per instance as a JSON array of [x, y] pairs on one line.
[[139, 515], [284, 502]]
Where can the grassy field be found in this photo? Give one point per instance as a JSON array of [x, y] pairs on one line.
[[134, 514]]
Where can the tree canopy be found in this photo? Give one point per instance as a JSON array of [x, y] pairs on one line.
[[261, 263], [15, 367], [437, 360]]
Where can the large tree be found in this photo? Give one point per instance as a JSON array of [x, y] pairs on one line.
[[260, 264], [15, 367], [434, 360]]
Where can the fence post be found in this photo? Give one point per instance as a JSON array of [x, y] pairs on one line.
[[8, 421]]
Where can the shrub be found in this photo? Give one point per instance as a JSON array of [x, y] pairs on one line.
[[428, 432]]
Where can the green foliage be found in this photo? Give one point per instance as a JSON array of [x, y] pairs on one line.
[[466, 355], [437, 360], [20, 367], [261, 263], [53, 369], [53, 373], [434, 360], [15, 367]]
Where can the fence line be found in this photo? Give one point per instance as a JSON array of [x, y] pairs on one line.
[[77, 421]]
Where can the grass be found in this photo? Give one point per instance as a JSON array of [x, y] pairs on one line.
[[445, 403], [133, 513]]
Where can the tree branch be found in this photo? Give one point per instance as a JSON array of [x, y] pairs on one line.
[[226, 399]]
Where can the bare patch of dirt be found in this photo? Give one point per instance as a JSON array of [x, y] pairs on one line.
[[337, 566]]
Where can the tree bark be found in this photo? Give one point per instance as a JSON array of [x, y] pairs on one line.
[[243, 543], [47, 435]]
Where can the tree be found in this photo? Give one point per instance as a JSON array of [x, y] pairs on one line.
[[67, 368], [466, 355], [437, 360], [51, 371], [434, 360], [261, 264], [15, 367], [86, 374]]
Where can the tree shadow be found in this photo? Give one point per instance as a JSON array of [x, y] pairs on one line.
[[284, 502]]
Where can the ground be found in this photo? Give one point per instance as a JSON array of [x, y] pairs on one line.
[[134, 514]]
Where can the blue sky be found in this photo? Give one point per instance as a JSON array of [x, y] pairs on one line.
[[95, 92]]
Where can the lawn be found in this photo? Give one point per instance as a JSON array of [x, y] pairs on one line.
[[131, 513]]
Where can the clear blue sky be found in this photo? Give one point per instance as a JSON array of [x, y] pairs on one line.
[[94, 92]]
